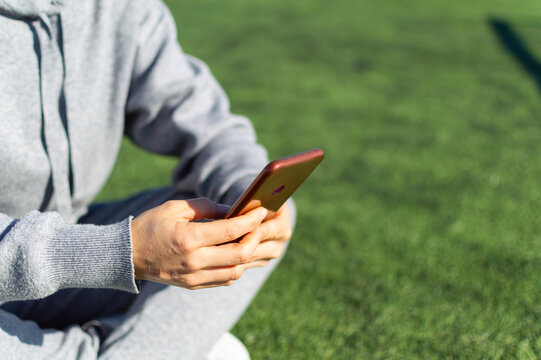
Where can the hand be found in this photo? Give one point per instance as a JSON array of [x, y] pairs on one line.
[[273, 234], [169, 248]]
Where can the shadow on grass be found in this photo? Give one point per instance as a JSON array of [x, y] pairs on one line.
[[512, 42]]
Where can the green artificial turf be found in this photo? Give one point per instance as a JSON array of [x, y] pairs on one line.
[[419, 237]]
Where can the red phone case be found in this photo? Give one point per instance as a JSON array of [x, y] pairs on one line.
[[277, 182]]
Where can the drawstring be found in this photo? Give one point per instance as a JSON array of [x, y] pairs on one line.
[[51, 27], [49, 189], [62, 102]]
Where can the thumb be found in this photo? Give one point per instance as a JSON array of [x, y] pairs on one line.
[[203, 208]]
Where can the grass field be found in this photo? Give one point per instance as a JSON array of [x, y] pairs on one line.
[[420, 235]]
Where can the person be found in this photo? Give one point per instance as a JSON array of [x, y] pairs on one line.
[[138, 278]]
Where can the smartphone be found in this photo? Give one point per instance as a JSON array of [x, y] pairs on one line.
[[276, 183]]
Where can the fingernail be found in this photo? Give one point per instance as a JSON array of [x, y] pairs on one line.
[[263, 213]]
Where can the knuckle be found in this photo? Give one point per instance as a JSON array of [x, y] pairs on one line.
[[190, 281], [288, 234], [232, 231], [236, 273], [255, 221], [189, 243], [244, 254], [170, 204], [277, 251], [181, 246], [185, 243], [188, 265]]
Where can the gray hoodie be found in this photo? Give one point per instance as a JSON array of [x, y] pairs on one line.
[[74, 77]]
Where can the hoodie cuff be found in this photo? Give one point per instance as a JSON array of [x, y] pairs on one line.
[[92, 256]]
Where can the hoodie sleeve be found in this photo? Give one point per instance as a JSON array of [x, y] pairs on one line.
[[176, 107], [41, 254]]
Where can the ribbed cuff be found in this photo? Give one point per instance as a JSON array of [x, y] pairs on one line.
[[92, 256]]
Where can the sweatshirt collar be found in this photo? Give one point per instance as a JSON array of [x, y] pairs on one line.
[[30, 8]]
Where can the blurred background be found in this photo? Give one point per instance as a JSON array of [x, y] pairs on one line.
[[419, 236]]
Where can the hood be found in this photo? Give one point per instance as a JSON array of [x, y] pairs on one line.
[[29, 8]]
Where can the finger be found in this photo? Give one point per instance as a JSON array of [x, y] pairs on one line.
[[224, 231], [212, 285], [202, 286], [278, 228], [199, 208], [282, 211], [213, 276], [268, 250], [234, 253], [253, 264]]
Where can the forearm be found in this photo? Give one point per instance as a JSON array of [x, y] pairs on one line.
[[41, 254]]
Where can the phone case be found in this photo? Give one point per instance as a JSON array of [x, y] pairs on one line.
[[277, 182]]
